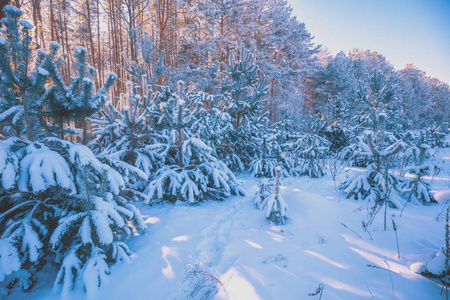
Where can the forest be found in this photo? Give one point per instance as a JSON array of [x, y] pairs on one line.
[[112, 110]]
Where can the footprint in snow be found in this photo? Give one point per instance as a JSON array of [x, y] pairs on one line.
[[322, 241], [279, 259]]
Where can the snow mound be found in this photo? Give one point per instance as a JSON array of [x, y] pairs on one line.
[[442, 196], [437, 264]]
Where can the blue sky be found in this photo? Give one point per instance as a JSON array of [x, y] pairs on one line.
[[404, 31]]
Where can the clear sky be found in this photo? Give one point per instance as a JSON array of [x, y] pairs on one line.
[[404, 31]]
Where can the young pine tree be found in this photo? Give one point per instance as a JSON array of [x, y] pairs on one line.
[[245, 105], [192, 172], [58, 202], [377, 145], [274, 205], [270, 153]]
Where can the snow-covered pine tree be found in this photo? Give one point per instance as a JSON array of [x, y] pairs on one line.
[[274, 205], [57, 195], [58, 202], [76, 101], [191, 173], [336, 132], [148, 66], [129, 134], [266, 188], [436, 135], [416, 189], [125, 136], [213, 124], [270, 153], [21, 83], [309, 149], [377, 146], [245, 105]]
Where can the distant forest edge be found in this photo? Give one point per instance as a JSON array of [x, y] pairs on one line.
[[192, 38]]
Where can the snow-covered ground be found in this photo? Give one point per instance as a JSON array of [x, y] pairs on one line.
[[230, 248]]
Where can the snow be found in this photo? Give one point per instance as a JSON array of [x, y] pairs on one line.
[[26, 24], [43, 71], [436, 265], [12, 11], [41, 53], [442, 196], [9, 176], [230, 250], [10, 112], [2, 42], [9, 258], [3, 157], [104, 233], [71, 265], [113, 76], [64, 225], [108, 209], [54, 45], [120, 252], [95, 273], [42, 168], [80, 50], [83, 156], [87, 81], [30, 242], [85, 231]]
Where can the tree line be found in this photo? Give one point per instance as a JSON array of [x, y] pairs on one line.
[[191, 35]]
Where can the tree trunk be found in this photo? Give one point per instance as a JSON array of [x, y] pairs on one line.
[[91, 41], [40, 24], [180, 146], [99, 58], [23, 95], [61, 126]]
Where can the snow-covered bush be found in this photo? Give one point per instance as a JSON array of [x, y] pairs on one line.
[[201, 176], [213, 125], [201, 281], [417, 190], [369, 185], [337, 137]]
